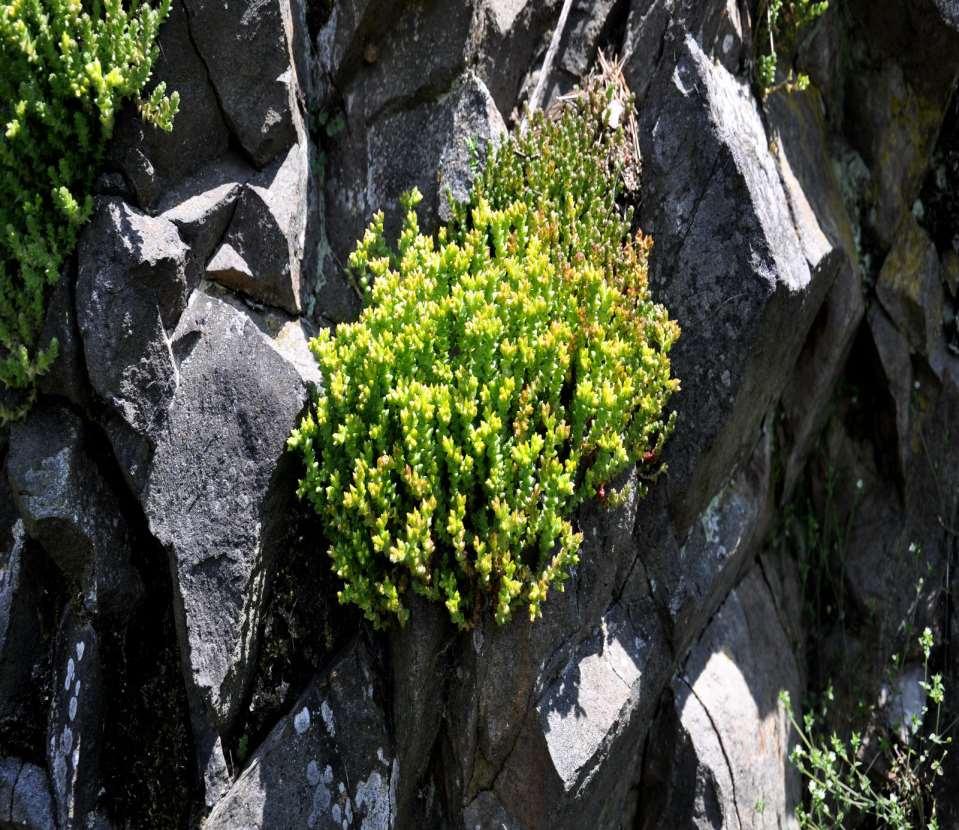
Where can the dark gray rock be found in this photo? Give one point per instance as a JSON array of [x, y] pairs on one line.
[[22, 644], [75, 729], [585, 25], [330, 764], [485, 811], [25, 800], [132, 287], [216, 486], [892, 348], [288, 336], [949, 11], [349, 31], [643, 42], [692, 581], [722, 30], [718, 754], [420, 656], [72, 511], [202, 217], [894, 128], [68, 375], [728, 264], [247, 51], [826, 234], [509, 41], [422, 145], [474, 114], [152, 160], [548, 716], [910, 288], [262, 252]]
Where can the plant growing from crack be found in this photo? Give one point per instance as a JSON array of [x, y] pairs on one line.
[[502, 374], [780, 23], [66, 66]]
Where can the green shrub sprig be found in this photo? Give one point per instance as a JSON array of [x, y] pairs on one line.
[[844, 783], [780, 23], [65, 68], [500, 375]]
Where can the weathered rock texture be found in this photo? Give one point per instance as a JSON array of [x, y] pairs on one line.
[[154, 566]]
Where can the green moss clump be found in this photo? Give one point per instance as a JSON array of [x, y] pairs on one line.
[[65, 68], [500, 376]]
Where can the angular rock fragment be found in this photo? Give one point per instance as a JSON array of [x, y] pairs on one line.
[[693, 581], [25, 800], [72, 511], [910, 288], [718, 754], [246, 50], [217, 483], [509, 39], [418, 651], [74, 732], [329, 765], [550, 716], [475, 115], [262, 251], [827, 238], [574, 56], [68, 375], [131, 288], [202, 215], [422, 145], [152, 160], [727, 263], [590, 701], [22, 644], [646, 27]]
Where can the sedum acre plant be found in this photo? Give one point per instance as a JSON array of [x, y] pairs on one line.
[[500, 375], [65, 68]]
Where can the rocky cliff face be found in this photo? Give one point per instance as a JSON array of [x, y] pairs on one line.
[[171, 651]]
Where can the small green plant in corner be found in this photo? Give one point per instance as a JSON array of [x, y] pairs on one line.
[[502, 373], [779, 25], [841, 774], [65, 68]]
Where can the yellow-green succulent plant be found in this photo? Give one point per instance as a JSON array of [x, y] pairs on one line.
[[502, 373], [65, 68]]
